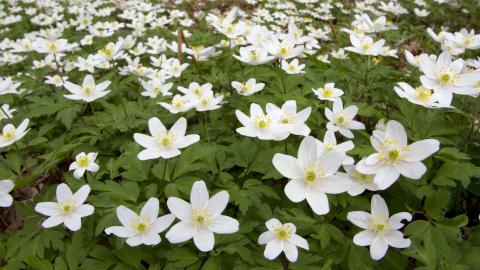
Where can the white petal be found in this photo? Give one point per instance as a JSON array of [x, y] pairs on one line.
[[386, 176], [364, 238], [273, 249], [150, 208], [179, 127], [199, 194], [295, 190], [180, 232], [265, 237], [360, 219], [84, 210], [120, 231], [318, 201], [73, 223], [204, 239], [397, 132], [155, 126], [81, 195], [413, 170], [180, 208], [218, 202], [47, 208], [298, 241], [378, 248], [162, 223], [135, 240], [395, 239], [125, 215], [63, 192], [287, 166], [420, 150], [379, 207], [291, 251], [395, 221], [52, 221], [223, 225]]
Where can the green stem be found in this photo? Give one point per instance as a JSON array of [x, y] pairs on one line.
[[164, 169], [283, 81], [205, 127], [472, 128]]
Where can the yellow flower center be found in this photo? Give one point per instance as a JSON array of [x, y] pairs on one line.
[[366, 46], [88, 90], [53, 47], [165, 138], [9, 134], [283, 233], [83, 161], [327, 92], [141, 227], [201, 217], [262, 121]]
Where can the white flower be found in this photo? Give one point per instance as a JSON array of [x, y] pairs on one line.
[[248, 88], [11, 134], [341, 120], [421, 96], [253, 55], [285, 49], [290, 117], [395, 157], [380, 230], [200, 218], [209, 102], [5, 187], [83, 162], [155, 87], [144, 228], [52, 46], [6, 112], [445, 77], [328, 92], [56, 80], [89, 91], [261, 125], [111, 52], [330, 144], [365, 46], [174, 68], [359, 181], [162, 142], [179, 104], [69, 208], [311, 176], [281, 237], [195, 91], [293, 67]]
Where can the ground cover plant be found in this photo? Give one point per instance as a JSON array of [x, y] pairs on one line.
[[257, 134]]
